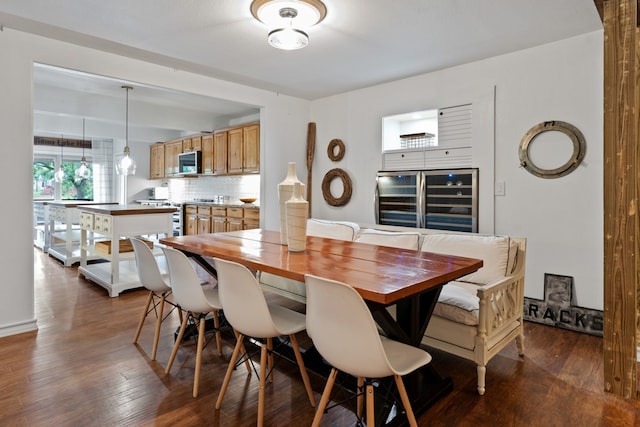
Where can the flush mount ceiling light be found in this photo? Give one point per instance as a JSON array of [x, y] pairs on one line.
[[288, 20]]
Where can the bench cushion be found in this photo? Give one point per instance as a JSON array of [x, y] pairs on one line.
[[340, 230], [458, 302], [395, 239], [493, 250]]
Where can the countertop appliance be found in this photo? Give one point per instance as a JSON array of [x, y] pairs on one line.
[[159, 193], [441, 199]]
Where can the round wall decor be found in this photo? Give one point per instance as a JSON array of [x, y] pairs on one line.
[[331, 150], [579, 149], [346, 185]]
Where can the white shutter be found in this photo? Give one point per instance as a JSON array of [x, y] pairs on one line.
[[454, 126]]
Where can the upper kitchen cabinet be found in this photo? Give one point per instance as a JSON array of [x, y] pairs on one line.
[[241, 147], [244, 149], [193, 143], [171, 151], [156, 163], [207, 154], [220, 153]]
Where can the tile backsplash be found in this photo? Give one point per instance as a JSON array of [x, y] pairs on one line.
[[206, 187]]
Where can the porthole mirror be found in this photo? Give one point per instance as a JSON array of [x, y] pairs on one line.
[[542, 165]]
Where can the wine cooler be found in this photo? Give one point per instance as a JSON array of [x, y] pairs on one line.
[[439, 199]]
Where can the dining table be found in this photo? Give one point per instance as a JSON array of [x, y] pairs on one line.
[[384, 276]]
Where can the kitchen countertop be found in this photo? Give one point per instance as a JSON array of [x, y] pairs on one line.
[[223, 205], [76, 203], [128, 209]]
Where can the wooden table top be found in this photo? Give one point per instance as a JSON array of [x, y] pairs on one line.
[[380, 274]]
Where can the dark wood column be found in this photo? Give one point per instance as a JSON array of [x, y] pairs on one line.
[[621, 193]]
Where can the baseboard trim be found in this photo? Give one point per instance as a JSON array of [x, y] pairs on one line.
[[18, 328]]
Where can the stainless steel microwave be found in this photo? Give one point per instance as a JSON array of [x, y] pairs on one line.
[[190, 163]]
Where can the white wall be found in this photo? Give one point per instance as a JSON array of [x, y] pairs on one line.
[[562, 218], [283, 124]]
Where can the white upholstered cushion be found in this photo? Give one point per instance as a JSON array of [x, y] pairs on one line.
[[458, 302], [493, 250], [395, 239], [340, 230]]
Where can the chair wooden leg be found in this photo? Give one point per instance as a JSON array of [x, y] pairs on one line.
[[232, 363], [371, 418], [405, 401], [263, 373], [156, 336], [216, 324], [196, 378], [270, 359], [244, 351], [360, 397], [176, 346], [143, 317], [303, 370], [326, 394]]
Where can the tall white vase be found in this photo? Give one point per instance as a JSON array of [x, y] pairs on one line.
[[297, 209], [285, 191]]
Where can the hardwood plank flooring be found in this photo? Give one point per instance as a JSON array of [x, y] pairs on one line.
[[81, 369]]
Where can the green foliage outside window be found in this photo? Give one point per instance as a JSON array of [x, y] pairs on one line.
[[72, 188]]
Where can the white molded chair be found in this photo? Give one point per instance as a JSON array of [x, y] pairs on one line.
[[156, 282], [358, 349], [246, 309], [196, 301]]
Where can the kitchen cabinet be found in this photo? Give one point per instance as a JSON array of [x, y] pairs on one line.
[[219, 220], [220, 153], [193, 143], [171, 151], [207, 154], [204, 220], [115, 222], [191, 220], [244, 149], [156, 163], [251, 218], [251, 148], [235, 219]]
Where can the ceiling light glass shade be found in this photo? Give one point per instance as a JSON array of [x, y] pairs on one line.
[[288, 39], [83, 171], [309, 12], [125, 165]]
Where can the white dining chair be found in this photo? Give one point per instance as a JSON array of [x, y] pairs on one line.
[[246, 309], [358, 349], [196, 301], [152, 279]]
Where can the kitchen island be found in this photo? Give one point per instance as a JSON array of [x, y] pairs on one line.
[[105, 225], [62, 232]]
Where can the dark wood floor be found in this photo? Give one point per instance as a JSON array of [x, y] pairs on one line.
[[80, 368]]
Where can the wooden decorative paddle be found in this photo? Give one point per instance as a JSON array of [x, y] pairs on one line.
[[311, 148]]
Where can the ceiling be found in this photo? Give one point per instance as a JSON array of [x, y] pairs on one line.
[[360, 43]]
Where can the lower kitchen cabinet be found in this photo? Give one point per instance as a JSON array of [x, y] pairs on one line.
[[202, 219]]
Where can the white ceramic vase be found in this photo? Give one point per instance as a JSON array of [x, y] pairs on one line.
[[285, 192], [297, 209]]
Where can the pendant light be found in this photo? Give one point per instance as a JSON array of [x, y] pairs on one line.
[[59, 175], [83, 172], [125, 165]]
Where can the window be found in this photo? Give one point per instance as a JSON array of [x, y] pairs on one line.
[[70, 187]]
